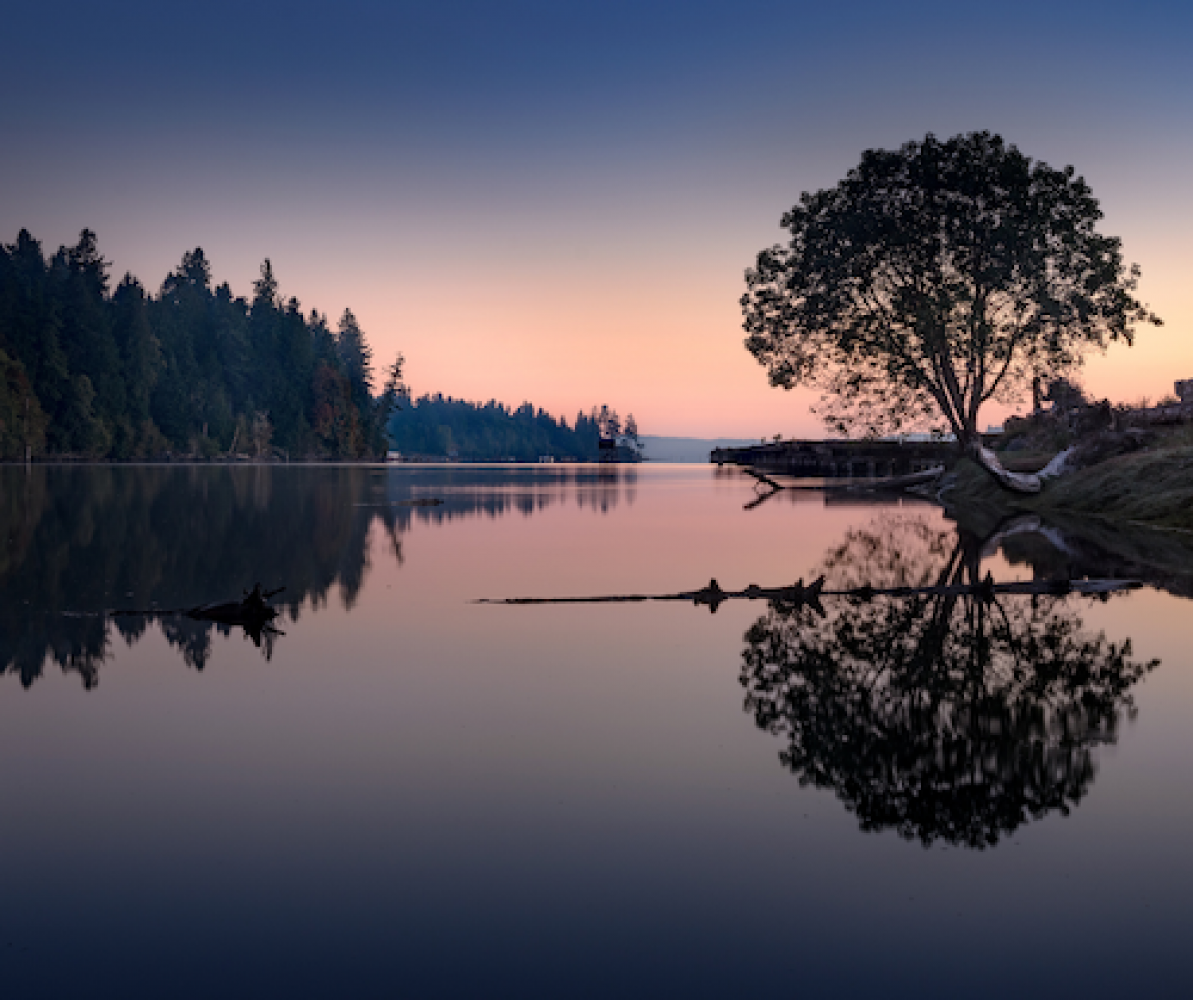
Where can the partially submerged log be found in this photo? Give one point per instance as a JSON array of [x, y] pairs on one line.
[[797, 594], [252, 612], [253, 609]]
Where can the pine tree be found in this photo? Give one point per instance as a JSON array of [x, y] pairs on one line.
[[356, 357]]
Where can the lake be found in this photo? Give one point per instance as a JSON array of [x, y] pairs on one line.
[[402, 792]]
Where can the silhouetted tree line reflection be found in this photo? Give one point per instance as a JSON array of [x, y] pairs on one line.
[[82, 541], [946, 718], [472, 491]]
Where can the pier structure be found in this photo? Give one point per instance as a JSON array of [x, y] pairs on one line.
[[841, 459]]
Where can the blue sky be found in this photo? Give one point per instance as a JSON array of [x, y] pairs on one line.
[[554, 201]]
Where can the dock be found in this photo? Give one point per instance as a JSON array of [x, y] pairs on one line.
[[839, 459]]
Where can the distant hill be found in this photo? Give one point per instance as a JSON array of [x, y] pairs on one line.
[[686, 449]]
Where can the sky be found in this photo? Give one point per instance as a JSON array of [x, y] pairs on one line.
[[557, 202]]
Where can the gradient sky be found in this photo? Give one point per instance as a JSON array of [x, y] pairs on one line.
[[556, 201]]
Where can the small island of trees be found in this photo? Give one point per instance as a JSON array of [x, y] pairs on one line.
[[434, 426]]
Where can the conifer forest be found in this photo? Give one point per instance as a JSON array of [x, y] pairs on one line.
[[95, 371]]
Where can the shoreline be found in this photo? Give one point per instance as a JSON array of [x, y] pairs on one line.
[[1151, 488]]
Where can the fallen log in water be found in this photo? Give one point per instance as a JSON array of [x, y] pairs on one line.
[[713, 595], [252, 609], [252, 612], [866, 486], [253, 606]]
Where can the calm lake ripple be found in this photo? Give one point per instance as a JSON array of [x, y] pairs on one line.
[[398, 791]]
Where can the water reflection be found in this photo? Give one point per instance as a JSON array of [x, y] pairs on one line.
[[81, 541], [947, 718], [479, 490], [1069, 549]]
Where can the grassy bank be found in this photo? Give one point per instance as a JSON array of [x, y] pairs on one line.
[[1153, 487]]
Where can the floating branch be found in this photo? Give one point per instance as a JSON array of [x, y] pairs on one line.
[[798, 594], [252, 609], [252, 612], [253, 606]]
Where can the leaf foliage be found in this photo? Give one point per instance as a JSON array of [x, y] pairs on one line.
[[933, 279]]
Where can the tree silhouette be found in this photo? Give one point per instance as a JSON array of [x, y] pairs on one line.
[[491, 431], [127, 375], [951, 718], [934, 278]]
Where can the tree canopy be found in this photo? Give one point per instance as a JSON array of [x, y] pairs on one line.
[[933, 279], [193, 370]]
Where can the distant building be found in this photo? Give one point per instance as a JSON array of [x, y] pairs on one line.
[[1184, 389]]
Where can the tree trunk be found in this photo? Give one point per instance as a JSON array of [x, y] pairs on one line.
[[1016, 482]]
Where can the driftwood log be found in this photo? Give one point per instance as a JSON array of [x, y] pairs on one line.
[[713, 595], [1016, 482], [253, 609]]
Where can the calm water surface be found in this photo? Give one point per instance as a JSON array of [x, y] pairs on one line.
[[403, 792]]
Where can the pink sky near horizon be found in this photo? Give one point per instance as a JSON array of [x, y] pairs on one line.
[[556, 203], [632, 318]]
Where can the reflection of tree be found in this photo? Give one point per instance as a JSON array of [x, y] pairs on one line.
[[492, 491], [949, 717]]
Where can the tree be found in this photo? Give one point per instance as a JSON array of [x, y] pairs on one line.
[[607, 421], [392, 394], [336, 422], [22, 421], [933, 279], [126, 374], [1064, 394], [356, 357], [140, 359]]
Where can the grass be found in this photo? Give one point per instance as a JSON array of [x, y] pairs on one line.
[[1025, 461], [1153, 487]]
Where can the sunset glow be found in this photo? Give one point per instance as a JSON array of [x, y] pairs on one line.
[[558, 205]]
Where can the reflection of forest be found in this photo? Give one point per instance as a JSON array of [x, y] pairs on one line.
[[479, 490], [82, 540], [951, 718]]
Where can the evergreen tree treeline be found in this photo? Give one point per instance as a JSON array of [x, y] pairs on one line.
[[437, 426], [90, 371]]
